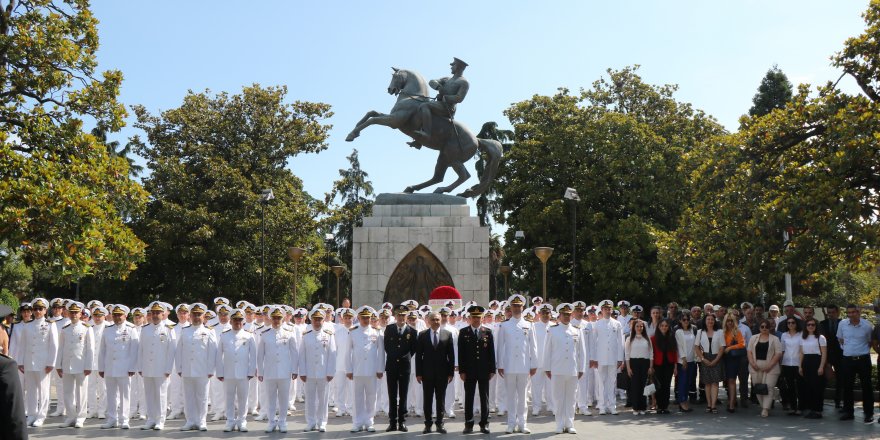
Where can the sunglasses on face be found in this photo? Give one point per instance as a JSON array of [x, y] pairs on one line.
[[811, 325], [764, 326], [39, 308], [791, 322]]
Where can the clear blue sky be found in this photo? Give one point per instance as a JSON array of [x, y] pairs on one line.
[[341, 53]]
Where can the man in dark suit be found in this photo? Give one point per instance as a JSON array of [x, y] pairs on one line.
[[11, 401], [435, 368], [476, 365], [828, 327], [400, 346]]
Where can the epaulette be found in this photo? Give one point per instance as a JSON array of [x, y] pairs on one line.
[[249, 331], [187, 325], [87, 325], [576, 326], [209, 327], [352, 328], [308, 331], [109, 325], [171, 326], [130, 324], [147, 324], [328, 331], [554, 324], [68, 325], [264, 331], [224, 331]]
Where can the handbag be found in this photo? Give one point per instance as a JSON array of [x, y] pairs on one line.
[[760, 389], [650, 388]]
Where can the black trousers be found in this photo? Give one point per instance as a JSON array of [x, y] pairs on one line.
[[398, 382], [852, 366], [471, 384], [431, 387], [663, 379], [813, 391], [743, 376], [791, 380], [639, 367]]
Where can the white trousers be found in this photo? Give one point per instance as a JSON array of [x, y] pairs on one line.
[[175, 394], [515, 391], [218, 396], [342, 392], [264, 400], [564, 390], [156, 399], [317, 391], [138, 402], [382, 399], [364, 394], [36, 394], [195, 400], [236, 399], [75, 405], [450, 398], [292, 395], [586, 390], [540, 387], [606, 384], [118, 399], [56, 382], [97, 394], [277, 399]]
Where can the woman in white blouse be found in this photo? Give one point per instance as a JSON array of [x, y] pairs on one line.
[[813, 355], [639, 361], [709, 348], [792, 382], [687, 365]]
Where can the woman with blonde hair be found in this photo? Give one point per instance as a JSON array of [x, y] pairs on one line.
[[734, 352], [764, 352]]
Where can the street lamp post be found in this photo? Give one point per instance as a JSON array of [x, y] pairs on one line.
[[265, 197], [571, 194], [338, 270], [328, 237], [505, 270], [295, 254], [543, 254]]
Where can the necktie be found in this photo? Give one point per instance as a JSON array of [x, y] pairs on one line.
[[435, 339]]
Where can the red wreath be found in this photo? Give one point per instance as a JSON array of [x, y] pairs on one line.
[[445, 292]]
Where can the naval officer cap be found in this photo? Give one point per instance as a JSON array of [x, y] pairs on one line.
[[516, 300], [592, 309], [579, 305], [411, 304], [41, 302], [564, 308], [75, 307], [198, 309], [365, 311], [248, 308], [317, 313], [401, 309], [210, 314], [224, 309], [86, 313], [182, 307], [94, 303], [276, 312], [476, 311], [545, 308], [537, 299], [25, 306], [623, 303], [237, 314], [606, 303], [138, 311], [387, 305], [493, 303], [349, 312], [120, 309], [240, 304], [385, 312], [445, 311], [220, 300], [637, 309], [99, 311], [57, 302], [156, 306]]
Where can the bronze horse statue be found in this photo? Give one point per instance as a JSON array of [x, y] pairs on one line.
[[451, 138]]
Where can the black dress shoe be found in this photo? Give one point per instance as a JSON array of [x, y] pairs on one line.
[[402, 427], [391, 427], [468, 429], [847, 417], [441, 429], [427, 430], [484, 429]]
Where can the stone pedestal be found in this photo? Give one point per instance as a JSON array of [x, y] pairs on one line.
[[415, 242]]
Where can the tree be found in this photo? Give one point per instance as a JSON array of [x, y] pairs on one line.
[[620, 144], [15, 276], [134, 170], [210, 159], [354, 191], [774, 92], [809, 170], [486, 205], [60, 191]]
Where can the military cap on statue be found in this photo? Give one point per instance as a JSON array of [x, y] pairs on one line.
[[237, 314], [99, 311], [317, 313], [458, 61], [75, 307], [198, 308], [365, 311], [476, 311], [606, 303], [623, 303], [120, 309], [220, 300], [564, 308], [156, 306], [637, 308]]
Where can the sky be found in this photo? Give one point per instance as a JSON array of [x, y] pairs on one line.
[[341, 53]]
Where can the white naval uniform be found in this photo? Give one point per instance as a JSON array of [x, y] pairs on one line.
[[97, 392], [277, 358], [218, 393], [54, 379], [540, 384], [175, 387], [137, 401], [586, 385], [608, 352], [118, 360], [517, 354], [76, 355], [253, 384], [317, 362], [451, 387], [365, 359], [341, 388], [414, 397], [236, 365], [564, 357], [195, 360], [37, 349], [157, 350]]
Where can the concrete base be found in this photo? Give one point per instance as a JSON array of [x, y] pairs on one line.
[[449, 232]]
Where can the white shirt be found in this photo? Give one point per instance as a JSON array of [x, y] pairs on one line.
[[341, 333], [607, 342], [639, 348], [541, 330], [278, 352], [812, 345], [792, 346], [196, 354], [156, 350], [564, 353], [685, 342], [36, 345], [237, 355], [516, 346], [454, 331], [76, 349], [365, 353], [318, 354], [118, 354]]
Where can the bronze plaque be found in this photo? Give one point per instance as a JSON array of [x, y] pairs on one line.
[[418, 273]]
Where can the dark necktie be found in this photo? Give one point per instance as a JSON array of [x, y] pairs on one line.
[[435, 339]]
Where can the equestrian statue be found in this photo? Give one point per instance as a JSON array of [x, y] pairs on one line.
[[430, 122]]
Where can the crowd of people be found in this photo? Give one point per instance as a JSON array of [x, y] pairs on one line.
[[231, 362]]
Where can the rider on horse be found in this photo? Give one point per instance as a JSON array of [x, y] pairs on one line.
[[450, 92]]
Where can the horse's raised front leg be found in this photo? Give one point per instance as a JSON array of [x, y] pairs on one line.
[[439, 173], [361, 125], [393, 120], [463, 175]]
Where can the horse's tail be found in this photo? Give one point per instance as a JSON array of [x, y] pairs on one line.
[[493, 151]]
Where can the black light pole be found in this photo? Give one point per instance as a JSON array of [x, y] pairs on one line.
[[266, 196], [571, 194], [329, 238]]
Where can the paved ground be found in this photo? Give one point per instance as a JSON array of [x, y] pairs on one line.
[[695, 425]]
